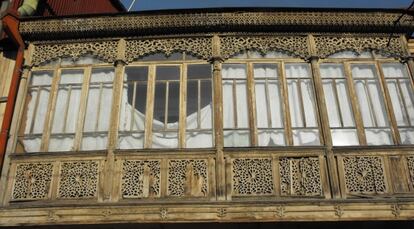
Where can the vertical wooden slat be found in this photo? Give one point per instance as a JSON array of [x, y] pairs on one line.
[[183, 107], [388, 105], [149, 107], [286, 109], [251, 104], [50, 107], [276, 175], [398, 175], [82, 111], [355, 107]]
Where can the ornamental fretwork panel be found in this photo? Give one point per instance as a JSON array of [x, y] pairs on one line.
[[104, 50], [197, 46], [32, 181], [410, 161], [364, 175], [295, 45], [187, 178], [300, 177], [141, 178], [328, 45], [253, 176], [78, 179]]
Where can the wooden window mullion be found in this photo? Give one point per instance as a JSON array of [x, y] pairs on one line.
[[82, 110], [182, 106], [149, 107], [44, 146], [251, 104], [354, 103], [286, 108], [388, 105]]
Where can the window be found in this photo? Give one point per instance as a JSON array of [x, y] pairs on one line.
[[268, 101], [382, 108], [68, 108], [167, 103]]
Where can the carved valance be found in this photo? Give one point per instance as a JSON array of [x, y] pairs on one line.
[[197, 46], [294, 45], [328, 45], [104, 50]]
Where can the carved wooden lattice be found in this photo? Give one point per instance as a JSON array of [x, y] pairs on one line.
[[300, 176], [410, 161], [141, 179], [364, 175], [104, 50], [198, 46], [328, 45], [78, 179], [295, 45], [252, 177], [187, 178], [32, 181]]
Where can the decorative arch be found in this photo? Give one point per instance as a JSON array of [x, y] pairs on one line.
[[328, 45], [198, 46], [293, 45], [105, 51]]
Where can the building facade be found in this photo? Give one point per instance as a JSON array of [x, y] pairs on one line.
[[213, 115]]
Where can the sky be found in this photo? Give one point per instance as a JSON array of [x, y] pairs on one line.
[[143, 5]]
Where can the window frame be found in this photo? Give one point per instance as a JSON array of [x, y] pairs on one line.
[[376, 61], [56, 69], [151, 83], [280, 62]]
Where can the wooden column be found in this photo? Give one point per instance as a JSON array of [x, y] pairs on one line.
[[218, 119], [323, 118], [109, 183]]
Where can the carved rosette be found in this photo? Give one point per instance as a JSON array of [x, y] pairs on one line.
[[141, 179], [252, 176], [104, 50], [364, 175], [187, 178], [32, 181], [328, 45], [410, 161], [78, 179], [294, 45], [197, 46], [300, 177]]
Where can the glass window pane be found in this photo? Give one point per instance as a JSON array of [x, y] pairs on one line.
[[235, 107], [344, 137], [371, 104], [68, 102], [98, 109], [369, 95], [401, 93], [133, 108]]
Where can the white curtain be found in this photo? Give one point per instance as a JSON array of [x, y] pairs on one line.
[[274, 135], [66, 111], [402, 97], [371, 104], [203, 138], [42, 80], [135, 139], [98, 110], [338, 105], [302, 105], [235, 137]]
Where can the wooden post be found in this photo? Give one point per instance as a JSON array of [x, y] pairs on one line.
[[323, 117], [218, 118], [110, 162]]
